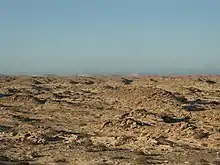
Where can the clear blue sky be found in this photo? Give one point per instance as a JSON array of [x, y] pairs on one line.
[[69, 36]]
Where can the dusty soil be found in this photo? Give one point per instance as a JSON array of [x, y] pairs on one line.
[[104, 120]]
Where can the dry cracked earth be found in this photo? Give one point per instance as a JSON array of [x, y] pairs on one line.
[[109, 120]]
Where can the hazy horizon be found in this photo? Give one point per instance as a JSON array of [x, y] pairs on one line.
[[160, 72], [108, 37]]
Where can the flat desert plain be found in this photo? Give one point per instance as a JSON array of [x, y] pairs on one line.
[[109, 120]]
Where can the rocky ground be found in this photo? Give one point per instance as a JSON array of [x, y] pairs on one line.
[[111, 120]]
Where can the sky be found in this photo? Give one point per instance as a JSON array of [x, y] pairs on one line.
[[109, 36]]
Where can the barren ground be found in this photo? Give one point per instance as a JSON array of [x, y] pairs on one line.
[[109, 120]]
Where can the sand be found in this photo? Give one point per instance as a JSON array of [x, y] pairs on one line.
[[109, 120]]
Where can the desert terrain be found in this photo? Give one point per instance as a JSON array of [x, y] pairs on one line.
[[109, 120]]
